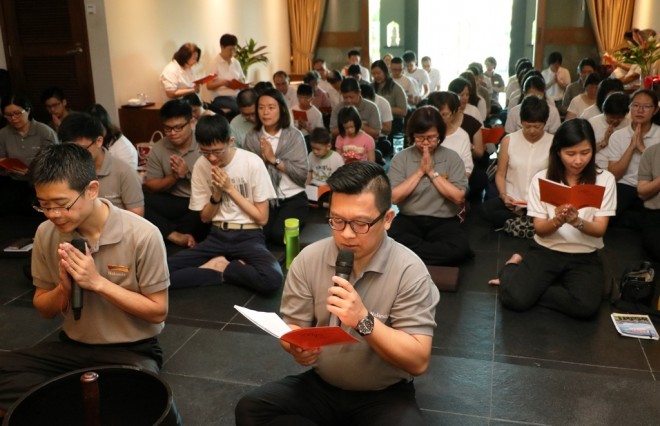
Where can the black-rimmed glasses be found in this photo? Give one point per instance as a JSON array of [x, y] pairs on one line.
[[58, 210], [357, 226]]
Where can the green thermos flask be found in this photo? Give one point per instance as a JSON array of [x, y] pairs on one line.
[[291, 240]]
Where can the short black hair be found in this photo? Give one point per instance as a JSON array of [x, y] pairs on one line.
[[534, 110], [305, 90], [67, 162], [346, 114], [20, 101], [586, 62], [334, 76], [281, 73], [261, 87], [53, 92], [409, 56], [185, 52], [353, 52], [211, 129], [363, 176], [605, 87], [422, 120], [228, 40], [246, 98], [80, 125], [616, 103], [349, 85], [442, 99], [354, 69], [320, 135], [312, 75], [367, 90], [592, 79], [397, 60], [175, 108], [555, 57], [193, 99]]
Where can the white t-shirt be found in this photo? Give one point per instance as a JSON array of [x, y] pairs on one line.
[[567, 238], [125, 150], [434, 78], [248, 175], [314, 117], [227, 71], [459, 142], [421, 77], [407, 84], [619, 141], [175, 77], [322, 168], [474, 112], [385, 110], [599, 124], [555, 92], [590, 112], [578, 105]]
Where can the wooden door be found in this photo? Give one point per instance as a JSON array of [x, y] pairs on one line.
[[46, 45]]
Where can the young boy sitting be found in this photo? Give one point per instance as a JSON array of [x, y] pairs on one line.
[[323, 161], [313, 117]]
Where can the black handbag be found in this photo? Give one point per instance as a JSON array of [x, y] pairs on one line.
[[637, 285]]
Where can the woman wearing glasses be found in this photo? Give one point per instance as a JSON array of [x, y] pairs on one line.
[[283, 150], [20, 141], [429, 184], [622, 154]]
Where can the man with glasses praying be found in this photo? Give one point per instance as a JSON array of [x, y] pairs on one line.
[[167, 182], [119, 183], [123, 275], [56, 105], [231, 189], [388, 304], [429, 184]]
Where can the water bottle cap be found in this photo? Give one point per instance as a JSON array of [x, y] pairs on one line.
[[291, 223]]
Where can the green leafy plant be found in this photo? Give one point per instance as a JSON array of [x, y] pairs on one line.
[[250, 54], [643, 50]]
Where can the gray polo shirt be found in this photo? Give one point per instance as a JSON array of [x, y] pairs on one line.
[[130, 254], [649, 169], [158, 164], [395, 287], [425, 200], [119, 183], [13, 145], [368, 114]]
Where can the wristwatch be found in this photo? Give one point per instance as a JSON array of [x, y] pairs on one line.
[[215, 202], [435, 175], [277, 162], [366, 325], [580, 225]]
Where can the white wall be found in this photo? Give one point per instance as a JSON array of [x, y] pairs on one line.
[[646, 14], [143, 35]]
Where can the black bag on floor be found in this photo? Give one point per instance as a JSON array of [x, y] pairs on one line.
[[637, 291]]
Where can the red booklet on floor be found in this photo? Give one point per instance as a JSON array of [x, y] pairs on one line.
[[13, 165], [579, 196]]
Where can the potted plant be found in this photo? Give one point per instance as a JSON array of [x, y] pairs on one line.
[[250, 54], [643, 50]]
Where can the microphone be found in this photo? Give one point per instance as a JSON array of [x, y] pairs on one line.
[[76, 291], [343, 269]]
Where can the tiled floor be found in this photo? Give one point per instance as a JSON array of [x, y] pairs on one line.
[[489, 366]]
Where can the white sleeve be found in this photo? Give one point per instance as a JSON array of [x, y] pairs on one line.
[[200, 185]]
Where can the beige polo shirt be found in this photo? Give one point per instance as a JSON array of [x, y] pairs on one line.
[[130, 254], [120, 183], [158, 164]]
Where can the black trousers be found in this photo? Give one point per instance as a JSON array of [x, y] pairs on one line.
[[437, 241], [651, 234], [170, 213], [306, 399], [495, 211], [292, 207], [566, 282]]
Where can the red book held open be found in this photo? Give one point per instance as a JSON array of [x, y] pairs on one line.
[[206, 79], [305, 338], [579, 196], [13, 165], [299, 115]]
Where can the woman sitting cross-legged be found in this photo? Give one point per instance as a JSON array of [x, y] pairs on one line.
[[429, 184], [562, 270]]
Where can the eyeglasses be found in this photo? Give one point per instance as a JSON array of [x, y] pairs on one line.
[[215, 152], [429, 138], [58, 210], [15, 114], [643, 107], [357, 226], [53, 105], [175, 129]]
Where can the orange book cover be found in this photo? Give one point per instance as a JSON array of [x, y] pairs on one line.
[[579, 196], [13, 165], [206, 79], [237, 85], [315, 337], [299, 115]]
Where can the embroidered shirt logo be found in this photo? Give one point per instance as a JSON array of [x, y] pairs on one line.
[[117, 270]]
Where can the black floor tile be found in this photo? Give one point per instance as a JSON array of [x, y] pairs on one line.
[[14, 283], [559, 397], [21, 327], [434, 418], [466, 322], [235, 357], [215, 303], [203, 402], [475, 273]]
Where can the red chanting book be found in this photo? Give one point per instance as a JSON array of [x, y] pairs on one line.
[[237, 85], [13, 165], [299, 115], [305, 338], [579, 196], [206, 79]]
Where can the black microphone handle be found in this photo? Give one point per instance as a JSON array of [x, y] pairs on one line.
[[76, 290]]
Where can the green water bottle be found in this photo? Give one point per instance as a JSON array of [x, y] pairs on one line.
[[291, 234]]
